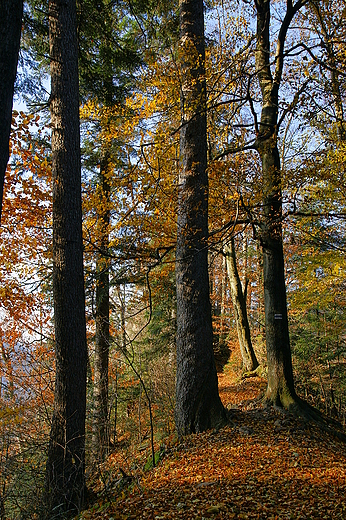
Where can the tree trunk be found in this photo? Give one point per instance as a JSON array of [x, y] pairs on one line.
[[101, 425], [115, 405], [101, 361], [198, 405], [280, 390], [260, 291], [11, 13], [239, 303], [65, 479]]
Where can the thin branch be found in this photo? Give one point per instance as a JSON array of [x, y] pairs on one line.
[[294, 102], [236, 149]]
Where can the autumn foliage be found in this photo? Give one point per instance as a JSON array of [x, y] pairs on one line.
[[265, 463]]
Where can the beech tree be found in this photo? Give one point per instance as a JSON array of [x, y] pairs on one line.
[[239, 304], [11, 13], [198, 405], [65, 480], [280, 388]]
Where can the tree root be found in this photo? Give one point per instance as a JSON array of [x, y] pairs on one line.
[[300, 408], [260, 371]]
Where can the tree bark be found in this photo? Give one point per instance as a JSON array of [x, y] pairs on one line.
[[11, 13], [101, 361], [198, 405], [280, 390], [239, 303], [65, 479]]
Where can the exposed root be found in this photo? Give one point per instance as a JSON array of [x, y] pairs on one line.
[[260, 371], [300, 408]]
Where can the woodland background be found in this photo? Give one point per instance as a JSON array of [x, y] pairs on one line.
[[130, 87]]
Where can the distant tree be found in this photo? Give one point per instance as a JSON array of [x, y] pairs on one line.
[[102, 336], [239, 304], [106, 76], [65, 478], [198, 405], [11, 13]]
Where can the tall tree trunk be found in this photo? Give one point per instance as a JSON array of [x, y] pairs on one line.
[[280, 390], [101, 361], [11, 13], [101, 425], [198, 405], [65, 479], [239, 303]]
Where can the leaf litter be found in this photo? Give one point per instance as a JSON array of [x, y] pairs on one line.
[[263, 465]]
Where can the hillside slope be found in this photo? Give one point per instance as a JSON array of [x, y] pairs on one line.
[[262, 465]]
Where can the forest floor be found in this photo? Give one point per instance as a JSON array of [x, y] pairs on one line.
[[263, 465]]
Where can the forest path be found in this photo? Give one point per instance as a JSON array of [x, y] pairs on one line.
[[263, 465]]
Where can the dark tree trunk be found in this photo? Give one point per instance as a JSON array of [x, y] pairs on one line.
[[101, 362], [101, 426], [280, 390], [11, 13], [239, 303], [65, 480], [198, 405]]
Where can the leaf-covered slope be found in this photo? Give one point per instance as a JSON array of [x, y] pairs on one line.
[[263, 465]]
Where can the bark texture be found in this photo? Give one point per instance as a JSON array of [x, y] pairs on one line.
[[11, 13], [280, 390], [248, 355], [65, 481], [198, 405]]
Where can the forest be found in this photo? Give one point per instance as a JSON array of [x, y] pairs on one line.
[[172, 272]]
